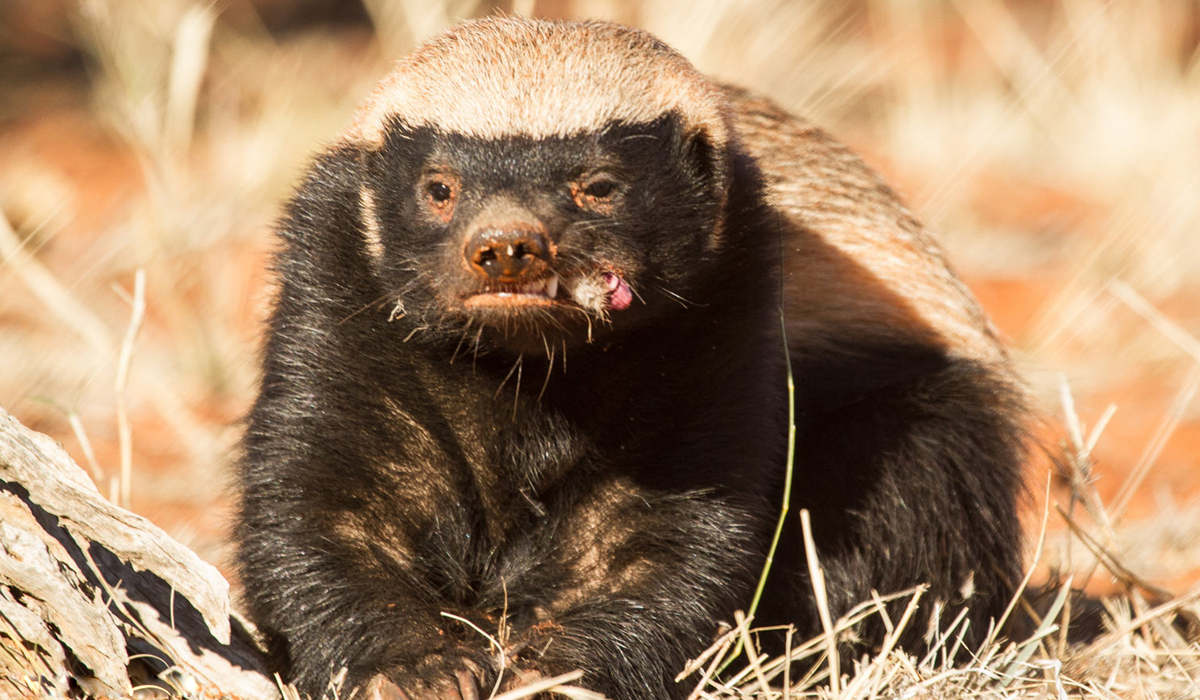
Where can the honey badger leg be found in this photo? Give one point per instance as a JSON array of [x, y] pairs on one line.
[[677, 574], [335, 615], [913, 481]]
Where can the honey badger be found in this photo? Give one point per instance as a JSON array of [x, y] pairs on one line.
[[525, 375]]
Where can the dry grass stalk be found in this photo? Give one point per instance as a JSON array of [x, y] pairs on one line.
[[46, 287], [188, 62], [557, 684], [125, 437], [818, 584]]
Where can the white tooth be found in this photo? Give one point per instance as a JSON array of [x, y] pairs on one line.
[[552, 287]]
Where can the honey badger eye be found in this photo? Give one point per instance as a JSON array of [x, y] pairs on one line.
[[600, 189], [441, 192], [597, 194]]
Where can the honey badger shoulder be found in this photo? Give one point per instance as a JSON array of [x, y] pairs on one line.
[[524, 369]]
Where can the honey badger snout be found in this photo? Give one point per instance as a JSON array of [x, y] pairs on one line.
[[508, 244], [508, 254]]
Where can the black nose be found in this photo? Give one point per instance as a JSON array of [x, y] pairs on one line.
[[508, 254]]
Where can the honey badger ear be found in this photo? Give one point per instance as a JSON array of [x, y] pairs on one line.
[[707, 162], [708, 158]]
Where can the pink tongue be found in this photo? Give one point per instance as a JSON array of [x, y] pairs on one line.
[[620, 296]]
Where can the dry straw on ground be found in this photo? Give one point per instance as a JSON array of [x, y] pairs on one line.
[[1053, 146]]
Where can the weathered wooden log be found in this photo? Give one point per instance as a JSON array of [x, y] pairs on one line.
[[98, 600]]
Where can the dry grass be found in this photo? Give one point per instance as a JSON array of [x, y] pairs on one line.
[[1053, 145], [1145, 652]]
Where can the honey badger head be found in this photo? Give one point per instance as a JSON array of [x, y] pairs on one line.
[[532, 177]]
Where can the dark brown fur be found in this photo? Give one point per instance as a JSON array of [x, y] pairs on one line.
[[594, 483]]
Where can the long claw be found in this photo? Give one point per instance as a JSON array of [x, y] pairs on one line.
[[383, 689], [467, 686]]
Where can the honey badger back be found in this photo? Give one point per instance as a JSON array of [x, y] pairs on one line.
[[910, 424], [524, 369]]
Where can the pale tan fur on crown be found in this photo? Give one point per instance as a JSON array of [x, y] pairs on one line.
[[859, 267], [509, 76]]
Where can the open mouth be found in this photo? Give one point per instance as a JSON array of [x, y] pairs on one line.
[[543, 292], [596, 293]]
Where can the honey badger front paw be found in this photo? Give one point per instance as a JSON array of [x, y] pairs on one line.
[[463, 687], [468, 684], [473, 684], [384, 689], [462, 684]]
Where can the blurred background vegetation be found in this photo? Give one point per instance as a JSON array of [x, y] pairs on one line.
[[1053, 145]]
